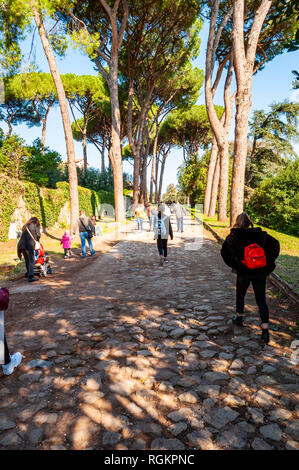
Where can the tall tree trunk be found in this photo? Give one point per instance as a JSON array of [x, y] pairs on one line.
[[212, 164], [154, 163], [115, 149], [84, 144], [72, 171], [43, 141], [143, 185], [103, 155], [244, 58], [214, 189], [223, 182], [162, 175]]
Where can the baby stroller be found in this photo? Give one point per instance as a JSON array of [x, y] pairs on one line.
[[42, 265]]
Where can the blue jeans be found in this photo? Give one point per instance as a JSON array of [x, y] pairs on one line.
[[84, 237], [180, 223], [140, 223], [152, 222]]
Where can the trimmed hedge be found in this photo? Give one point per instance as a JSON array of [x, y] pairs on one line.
[[44, 203]]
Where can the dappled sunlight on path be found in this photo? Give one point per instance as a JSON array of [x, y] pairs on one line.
[[133, 355]]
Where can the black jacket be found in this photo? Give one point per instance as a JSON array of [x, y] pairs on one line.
[[233, 247]]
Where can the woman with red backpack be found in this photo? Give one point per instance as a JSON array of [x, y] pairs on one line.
[[250, 252]]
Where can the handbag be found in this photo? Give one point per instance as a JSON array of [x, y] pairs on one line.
[[36, 243], [4, 299]]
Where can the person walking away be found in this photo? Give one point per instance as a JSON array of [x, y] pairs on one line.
[[86, 232], [140, 215], [179, 211], [162, 230], [251, 252], [28, 243], [150, 214], [9, 362], [66, 243]]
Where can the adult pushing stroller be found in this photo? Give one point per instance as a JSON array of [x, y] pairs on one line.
[[42, 266]]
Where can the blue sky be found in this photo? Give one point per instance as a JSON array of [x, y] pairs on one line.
[[272, 84]]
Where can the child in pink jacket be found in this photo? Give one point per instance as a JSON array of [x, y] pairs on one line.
[[66, 242]]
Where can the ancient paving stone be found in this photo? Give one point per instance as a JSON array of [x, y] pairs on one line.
[[31, 377], [46, 418], [177, 332], [237, 364], [201, 439], [92, 383], [177, 428], [149, 428], [113, 423], [208, 403], [230, 440], [220, 365], [208, 353], [256, 415], [10, 439], [181, 414], [260, 444], [213, 377], [111, 438], [6, 423], [219, 417], [226, 356], [265, 380], [292, 445], [268, 369], [271, 431], [245, 427], [82, 433], [251, 370], [36, 435], [264, 398], [188, 397], [211, 390], [167, 444], [280, 414], [138, 444], [233, 400], [293, 429]]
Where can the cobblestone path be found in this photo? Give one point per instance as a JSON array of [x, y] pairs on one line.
[[125, 354]]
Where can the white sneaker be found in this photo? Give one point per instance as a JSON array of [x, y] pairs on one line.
[[15, 360]]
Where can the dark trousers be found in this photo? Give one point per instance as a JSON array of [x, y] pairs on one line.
[[67, 251], [29, 260], [259, 288], [162, 246], [6, 352]]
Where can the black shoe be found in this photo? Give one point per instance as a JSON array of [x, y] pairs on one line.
[[26, 275], [237, 320], [33, 279], [265, 335]]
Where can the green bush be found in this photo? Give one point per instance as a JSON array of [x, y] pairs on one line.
[[275, 204], [9, 194], [44, 203]]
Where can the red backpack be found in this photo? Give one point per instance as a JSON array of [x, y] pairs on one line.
[[254, 257]]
